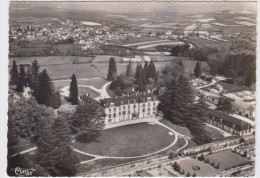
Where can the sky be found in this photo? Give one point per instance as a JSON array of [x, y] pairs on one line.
[[129, 7]]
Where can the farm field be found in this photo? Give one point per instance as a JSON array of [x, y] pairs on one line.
[[227, 159], [215, 134], [50, 60], [130, 140], [199, 168], [202, 42]]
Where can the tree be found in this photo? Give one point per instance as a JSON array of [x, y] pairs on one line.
[[87, 121], [151, 70], [14, 75], [54, 152], [197, 70], [34, 78], [73, 90], [46, 90], [25, 116], [188, 174], [145, 73], [55, 100], [22, 80], [129, 70], [176, 101], [112, 70], [224, 105]]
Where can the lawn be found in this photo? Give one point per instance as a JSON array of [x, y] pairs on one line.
[[130, 140], [215, 134], [97, 83], [182, 130], [227, 88], [190, 165], [87, 90], [227, 159], [61, 66], [49, 60]]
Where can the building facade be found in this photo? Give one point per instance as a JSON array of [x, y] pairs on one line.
[[231, 123], [129, 107]]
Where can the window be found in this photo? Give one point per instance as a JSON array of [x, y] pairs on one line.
[[148, 99], [123, 112], [114, 115], [112, 105], [119, 113], [109, 110], [128, 106], [129, 112], [109, 120], [109, 116], [123, 107], [144, 105], [144, 110], [154, 108], [149, 104], [134, 105], [154, 103], [114, 109]]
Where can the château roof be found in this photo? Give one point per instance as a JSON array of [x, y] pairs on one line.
[[123, 100]]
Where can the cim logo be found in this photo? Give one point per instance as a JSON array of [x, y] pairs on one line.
[[23, 171]]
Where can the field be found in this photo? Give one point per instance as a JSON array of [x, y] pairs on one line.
[[131, 140], [190, 165], [227, 159], [62, 66], [50, 60], [201, 42]]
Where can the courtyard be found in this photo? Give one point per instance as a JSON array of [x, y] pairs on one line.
[[199, 168], [227, 159], [129, 141]]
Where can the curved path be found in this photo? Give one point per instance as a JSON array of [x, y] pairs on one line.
[[102, 92], [177, 135]]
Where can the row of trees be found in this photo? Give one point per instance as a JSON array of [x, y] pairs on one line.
[[39, 83], [143, 78], [178, 103]]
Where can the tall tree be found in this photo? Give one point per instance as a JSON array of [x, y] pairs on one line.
[[151, 70], [197, 70], [73, 90], [45, 91], [22, 79], [145, 73], [129, 70], [88, 122], [14, 74], [112, 70], [34, 78], [54, 152], [224, 105]]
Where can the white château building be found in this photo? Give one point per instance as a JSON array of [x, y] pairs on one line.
[[129, 107]]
